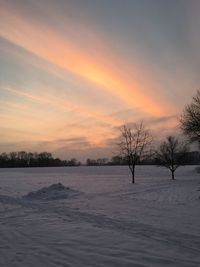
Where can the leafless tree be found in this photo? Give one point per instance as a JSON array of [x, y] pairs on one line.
[[172, 154], [133, 144], [190, 119]]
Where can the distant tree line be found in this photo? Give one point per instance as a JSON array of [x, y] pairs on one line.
[[28, 159], [191, 158]]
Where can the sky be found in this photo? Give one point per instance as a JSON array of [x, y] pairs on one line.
[[73, 71]]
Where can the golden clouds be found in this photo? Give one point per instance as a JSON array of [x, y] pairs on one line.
[[65, 53]]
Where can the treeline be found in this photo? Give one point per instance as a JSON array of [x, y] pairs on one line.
[[28, 159], [192, 158], [45, 159]]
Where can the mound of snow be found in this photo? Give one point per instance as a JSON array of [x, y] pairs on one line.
[[52, 192], [9, 200]]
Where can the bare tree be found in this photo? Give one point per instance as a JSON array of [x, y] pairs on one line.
[[190, 119], [172, 154], [133, 144]]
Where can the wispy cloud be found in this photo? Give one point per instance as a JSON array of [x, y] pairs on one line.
[[64, 105], [63, 52]]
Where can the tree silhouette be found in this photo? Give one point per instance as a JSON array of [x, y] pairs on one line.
[[133, 143], [190, 119], [172, 154]]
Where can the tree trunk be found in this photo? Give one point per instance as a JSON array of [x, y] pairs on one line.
[[133, 175], [173, 175]]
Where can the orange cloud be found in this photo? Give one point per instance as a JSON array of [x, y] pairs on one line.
[[59, 50]]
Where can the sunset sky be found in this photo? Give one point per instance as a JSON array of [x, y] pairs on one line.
[[73, 71]]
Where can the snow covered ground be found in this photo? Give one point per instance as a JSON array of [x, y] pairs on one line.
[[101, 219]]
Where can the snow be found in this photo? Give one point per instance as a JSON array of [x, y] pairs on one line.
[[94, 216], [52, 192]]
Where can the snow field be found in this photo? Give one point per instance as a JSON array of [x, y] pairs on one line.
[[108, 222]]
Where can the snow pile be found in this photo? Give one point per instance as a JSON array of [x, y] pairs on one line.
[[52, 192], [8, 200]]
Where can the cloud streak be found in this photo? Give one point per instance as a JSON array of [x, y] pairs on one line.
[[63, 52], [63, 105]]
